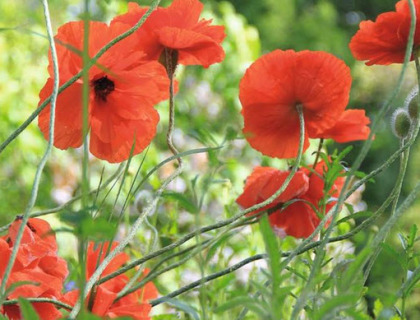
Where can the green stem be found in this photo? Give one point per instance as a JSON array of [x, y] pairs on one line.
[[35, 187], [333, 213], [402, 208], [67, 84], [221, 223], [44, 300]]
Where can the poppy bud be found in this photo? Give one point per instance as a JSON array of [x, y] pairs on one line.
[[413, 107], [401, 123]]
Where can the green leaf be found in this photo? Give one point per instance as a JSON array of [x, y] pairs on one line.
[[273, 251], [248, 302], [182, 200], [340, 302], [28, 312], [413, 234], [183, 307], [351, 278], [98, 229]]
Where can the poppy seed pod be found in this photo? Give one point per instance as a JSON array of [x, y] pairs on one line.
[[413, 107], [401, 123]]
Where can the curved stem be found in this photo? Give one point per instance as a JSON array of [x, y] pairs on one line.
[[401, 209], [44, 300], [34, 192], [225, 222], [72, 80]]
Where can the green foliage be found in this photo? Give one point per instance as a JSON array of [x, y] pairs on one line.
[[208, 114], [28, 312]]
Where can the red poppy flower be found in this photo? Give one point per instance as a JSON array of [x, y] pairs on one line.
[[178, 27], [297, 219], [36, 262], [134, 305], [123, 91], [351, 125], [385, 41], [273, 87], [265, 181]]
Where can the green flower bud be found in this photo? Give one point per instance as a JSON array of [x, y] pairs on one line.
[[413, 107], [401, 123]]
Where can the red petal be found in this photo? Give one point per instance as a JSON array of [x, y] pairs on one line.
[[264, 182], [351, 126], [194, 48], [68, 117]]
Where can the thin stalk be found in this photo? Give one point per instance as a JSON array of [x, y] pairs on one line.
[[43, 300], [72, 80], [70, 202], [151, 208], [226, 222], [366, 146], [401, 209], [37, 179]]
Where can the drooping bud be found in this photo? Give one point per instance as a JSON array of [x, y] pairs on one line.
[[401, 123], [413, 107]]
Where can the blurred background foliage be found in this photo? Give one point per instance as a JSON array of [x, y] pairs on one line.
[[207, 113]]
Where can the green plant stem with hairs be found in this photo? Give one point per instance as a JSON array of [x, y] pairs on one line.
[[37, 179]]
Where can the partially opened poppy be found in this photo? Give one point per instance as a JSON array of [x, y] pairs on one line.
[[191, 40], [306, 189], [385, 41], [134, 304], [351, 125], [299, 219], [265, 181], [277, 83], [124, 87]]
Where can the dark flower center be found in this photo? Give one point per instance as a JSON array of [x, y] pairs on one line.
[[103, 87]]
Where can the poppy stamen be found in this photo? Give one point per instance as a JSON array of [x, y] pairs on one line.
[[103, 87]]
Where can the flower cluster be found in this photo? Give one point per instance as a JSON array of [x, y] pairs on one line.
[[103, 299], [318, 84], [129, 79], [37, 264], [280, 84], [306, 193]]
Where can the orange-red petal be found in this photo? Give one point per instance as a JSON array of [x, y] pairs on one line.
[[68, 115], [384, 41], [265, 181], [352, 125], [278, 82]]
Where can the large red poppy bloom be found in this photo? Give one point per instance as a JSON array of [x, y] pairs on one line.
[[124, 88], [134, 305], [178, 27], [385, 41], [297, 219], [37, 262], [277, 83]]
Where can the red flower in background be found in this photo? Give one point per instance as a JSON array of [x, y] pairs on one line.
[[273, 87], [298, 219], [37, 262], [124, 87], [179, 28], [134, 305], [385, 41]]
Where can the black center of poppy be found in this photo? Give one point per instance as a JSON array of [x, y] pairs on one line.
[[103, 87]]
